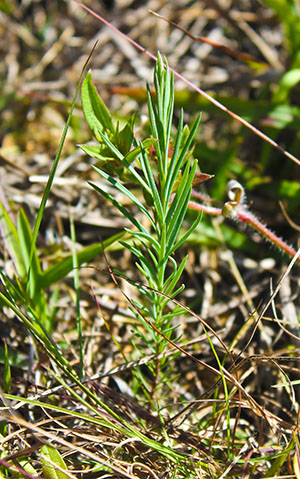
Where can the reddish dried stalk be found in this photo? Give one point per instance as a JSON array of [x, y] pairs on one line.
[[219, 105], [238, 211]]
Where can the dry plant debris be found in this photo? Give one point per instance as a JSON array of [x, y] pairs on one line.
[[232, 419]]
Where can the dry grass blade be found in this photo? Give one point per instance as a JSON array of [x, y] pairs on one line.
[[194, 87]]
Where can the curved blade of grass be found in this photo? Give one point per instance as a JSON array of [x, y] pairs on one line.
[[55, 165], [25, 238], [75, 265]]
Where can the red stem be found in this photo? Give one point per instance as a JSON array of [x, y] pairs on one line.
[[248, 218]]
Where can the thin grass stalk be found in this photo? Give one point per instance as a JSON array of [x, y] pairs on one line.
[[77, 293]]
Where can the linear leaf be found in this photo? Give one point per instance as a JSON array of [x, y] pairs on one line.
[[118, 205], [126, 192]]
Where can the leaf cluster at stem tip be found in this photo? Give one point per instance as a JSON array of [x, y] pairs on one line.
[[163, 168]]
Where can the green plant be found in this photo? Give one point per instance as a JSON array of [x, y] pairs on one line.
[[163, 168], [165, 172], [31, 281]]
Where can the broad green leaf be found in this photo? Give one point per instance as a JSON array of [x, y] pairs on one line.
[[287, 82], [95, 112], [50, 455], [99, 152]]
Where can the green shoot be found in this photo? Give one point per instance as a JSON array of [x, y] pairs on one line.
[[163, 168]]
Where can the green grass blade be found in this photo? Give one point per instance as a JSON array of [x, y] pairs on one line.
[[25, 238], [75, 265], [54, 166], [7, 373]]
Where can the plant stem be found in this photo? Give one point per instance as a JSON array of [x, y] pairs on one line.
[[241, 213]]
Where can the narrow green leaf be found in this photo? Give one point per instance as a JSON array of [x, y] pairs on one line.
[[7, 373], [173, 279], [25, 237], [126, 192], [147, 170], [121, 157], [278, 462], [184, 151], [145, 263], [118, 205], [144, 236], [186, 235], [174, 164], [181, 198], [133, 154]]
